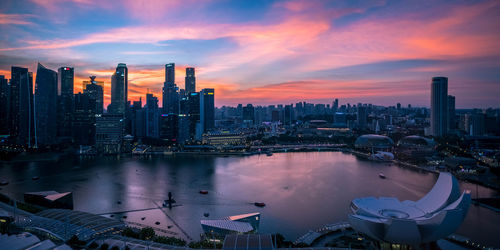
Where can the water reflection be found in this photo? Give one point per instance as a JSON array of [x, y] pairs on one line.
[[302, 191]]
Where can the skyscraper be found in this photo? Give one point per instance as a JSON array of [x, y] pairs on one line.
[[65, 82], [361, 116], [45, 106], [193, 107], [4, 105], [451, 113], [170, 94], [190, 81], [439, 106], [207, 109], [96, 92], [21, 106], [152, 116], [84, 119], [119, 89]]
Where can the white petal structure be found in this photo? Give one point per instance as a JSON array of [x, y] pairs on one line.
[[435, 216]]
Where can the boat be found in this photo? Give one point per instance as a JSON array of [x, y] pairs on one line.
[[170, 226], [381, 175], [260, 204], [4, 182], [143, 218], [124, 217], [112, 215], [203, 191], [35, 178], [206, 214], [119, 202], [157, 223]]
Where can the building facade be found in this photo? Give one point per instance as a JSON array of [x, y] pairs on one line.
[[45, 106], [119, 89], [65, 83], [439, 106]]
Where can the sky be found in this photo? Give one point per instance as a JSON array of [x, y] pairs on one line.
[[267, 52]]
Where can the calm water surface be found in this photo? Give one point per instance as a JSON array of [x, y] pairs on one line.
[[302, 191]]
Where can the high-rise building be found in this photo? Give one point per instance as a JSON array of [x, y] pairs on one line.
[[474, 124], [249, 113], [439, 106], [169, 127], [21, 111], [361, 116], [335, 105], [207, 109], [96, 92], [65, 82], [119, 90], [170, 73], [4, 105], [45, 106], [84, 119], [193, 107], [190, 81], [152, 115], [452, 123], [109, 133], [170, 91]]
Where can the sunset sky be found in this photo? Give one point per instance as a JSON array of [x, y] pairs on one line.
[[266, 52]]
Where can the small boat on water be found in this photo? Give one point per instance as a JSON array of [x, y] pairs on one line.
[[4, 182], [124, 217], [112, 215], [170, 226], [119, 202], [206, 214], [143, 218], [157, 223], [260, 204], [35, 178], [381, 175], [203, 191]]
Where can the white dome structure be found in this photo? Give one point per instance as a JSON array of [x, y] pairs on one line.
[[435, 216]]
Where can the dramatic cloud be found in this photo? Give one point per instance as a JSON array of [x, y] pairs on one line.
[[315, 50]]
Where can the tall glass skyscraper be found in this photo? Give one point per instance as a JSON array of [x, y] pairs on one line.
[[21, 106], [439, 106], [170, 91], [96, 92], [119, 89], [45, 106], [207, 109], [190, 81], [65, 83], [4, 105]]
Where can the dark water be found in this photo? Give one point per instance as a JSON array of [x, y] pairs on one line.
[[302, 191]]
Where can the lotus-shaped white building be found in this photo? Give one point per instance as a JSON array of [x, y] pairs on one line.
[[435, 216]]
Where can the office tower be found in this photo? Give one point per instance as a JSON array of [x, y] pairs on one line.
[[170, 73], [65, 82], [190, 81], [169, 127], [45, 106], [451, 113], [84, 119], [193, 106], [96, 92], [288, 115], [119, 90], [152, 114], [398, 106], [439, 107], [170, 91], [475, 124], [21, 110], [4, 105], [361, 116], [248, 113], [207, 109], [138, 119], [109, 133], [335, 105]]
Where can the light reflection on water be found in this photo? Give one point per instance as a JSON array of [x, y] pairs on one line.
[[302, 191]]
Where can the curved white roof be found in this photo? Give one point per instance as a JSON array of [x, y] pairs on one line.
[[436, 215]]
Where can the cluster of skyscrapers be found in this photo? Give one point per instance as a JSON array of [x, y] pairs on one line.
[[53, 114]]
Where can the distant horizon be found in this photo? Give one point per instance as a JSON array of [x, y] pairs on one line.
[[263, 52]]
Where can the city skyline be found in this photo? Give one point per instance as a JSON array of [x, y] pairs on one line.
[[266, 52]]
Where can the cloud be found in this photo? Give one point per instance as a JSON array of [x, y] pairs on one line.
[[17, 19]]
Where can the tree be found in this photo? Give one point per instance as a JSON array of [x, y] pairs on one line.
[[147, 233]]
